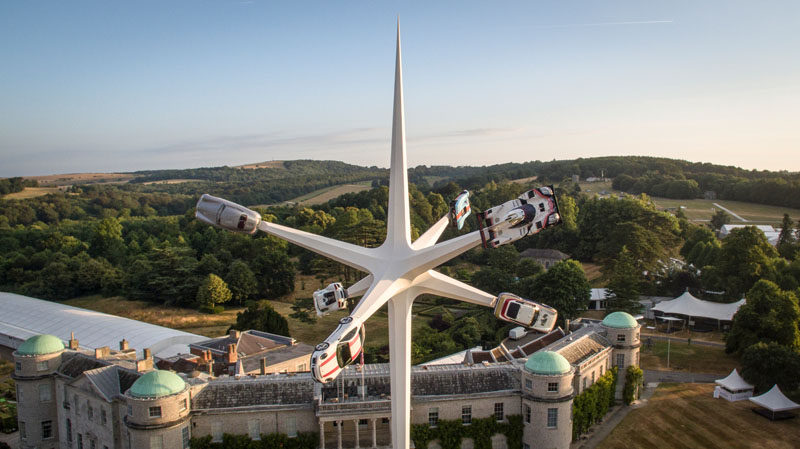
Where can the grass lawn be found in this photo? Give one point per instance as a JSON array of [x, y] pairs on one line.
[[187, 320], [31, 192], [703, 209], [684, 357], [687, 416]]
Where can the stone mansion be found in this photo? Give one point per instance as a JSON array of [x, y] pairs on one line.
[[71, 398]]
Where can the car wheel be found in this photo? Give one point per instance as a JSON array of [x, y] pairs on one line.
[[322, 346], [346, 320]]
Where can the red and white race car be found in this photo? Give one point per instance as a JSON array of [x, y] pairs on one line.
[[340, 349], [528, 214], [525, 312]]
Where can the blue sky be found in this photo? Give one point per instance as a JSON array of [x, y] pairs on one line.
[[123, 86]]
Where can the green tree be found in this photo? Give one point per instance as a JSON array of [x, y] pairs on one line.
[[241, 281], [624, 284], [745, 257], [786, 240], [765, 365], [260, 316], [106, 240], [213, 291], [720, 218], [563, 286], [769, 315]]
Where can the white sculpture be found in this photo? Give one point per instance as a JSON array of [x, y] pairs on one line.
[[399, 270]]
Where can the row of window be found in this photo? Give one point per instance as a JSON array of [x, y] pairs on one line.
[[89, 409], [254, 429], [466, 414], [552, 387], [47, 430], [40, 366], [552, 416]]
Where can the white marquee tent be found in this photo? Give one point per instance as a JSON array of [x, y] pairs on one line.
[[733, 388], [688, 305], [775, 401]]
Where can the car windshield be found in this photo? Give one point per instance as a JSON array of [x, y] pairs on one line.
[[343, 355], [349, 335], [329, 298], [513, 310]]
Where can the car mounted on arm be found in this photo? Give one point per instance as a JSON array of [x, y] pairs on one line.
[[330, 299], [341, 348], [460, 209], [528, 214], [514, 309], [227, 215]]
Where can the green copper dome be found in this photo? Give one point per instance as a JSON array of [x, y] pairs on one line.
[[548, 363], [620, 320], [40, 345], [156, 384]]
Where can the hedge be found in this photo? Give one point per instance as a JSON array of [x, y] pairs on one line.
[[451, 432], [634, 379], [304, 440], [590, 406]]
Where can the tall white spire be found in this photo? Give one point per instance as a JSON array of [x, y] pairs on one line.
[[399, 223]]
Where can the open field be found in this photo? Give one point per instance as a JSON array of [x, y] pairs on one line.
[[82, 178], [593, 273], [687, 416], [170, 181], [685, 357], [189, 320], [755, 213], [702, 210], [31, 192], [324, 195], [186, 320], [267, 164], [527, 180]]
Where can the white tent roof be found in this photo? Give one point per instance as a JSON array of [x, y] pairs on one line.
[[734, 382], [686, 304], [598, 294], [22, 317], [775, 401]]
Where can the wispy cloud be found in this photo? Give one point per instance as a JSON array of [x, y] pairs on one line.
[[604, 24]]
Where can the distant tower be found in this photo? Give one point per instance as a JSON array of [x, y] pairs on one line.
[[36, 362], [158, 411], [547, 394], [622, 331]]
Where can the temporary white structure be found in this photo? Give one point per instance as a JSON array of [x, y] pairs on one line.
[[22, 317], [733, 388], [775, 401], [688, 305]]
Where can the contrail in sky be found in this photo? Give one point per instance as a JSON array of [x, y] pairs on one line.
[[600, 24]]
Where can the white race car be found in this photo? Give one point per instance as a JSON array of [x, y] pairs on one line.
[[340, 349], [227, 215], [528, 214], [330, 299], [525, 312]]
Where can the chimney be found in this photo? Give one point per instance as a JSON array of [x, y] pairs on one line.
[[73, 343], [263, 366], [148, 354], [232, 356], [566, 325], [124, 345], [101, 353], [234, 334]]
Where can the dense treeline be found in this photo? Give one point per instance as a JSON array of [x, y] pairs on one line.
[[92, 201], [12, 185], [157, 259]]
